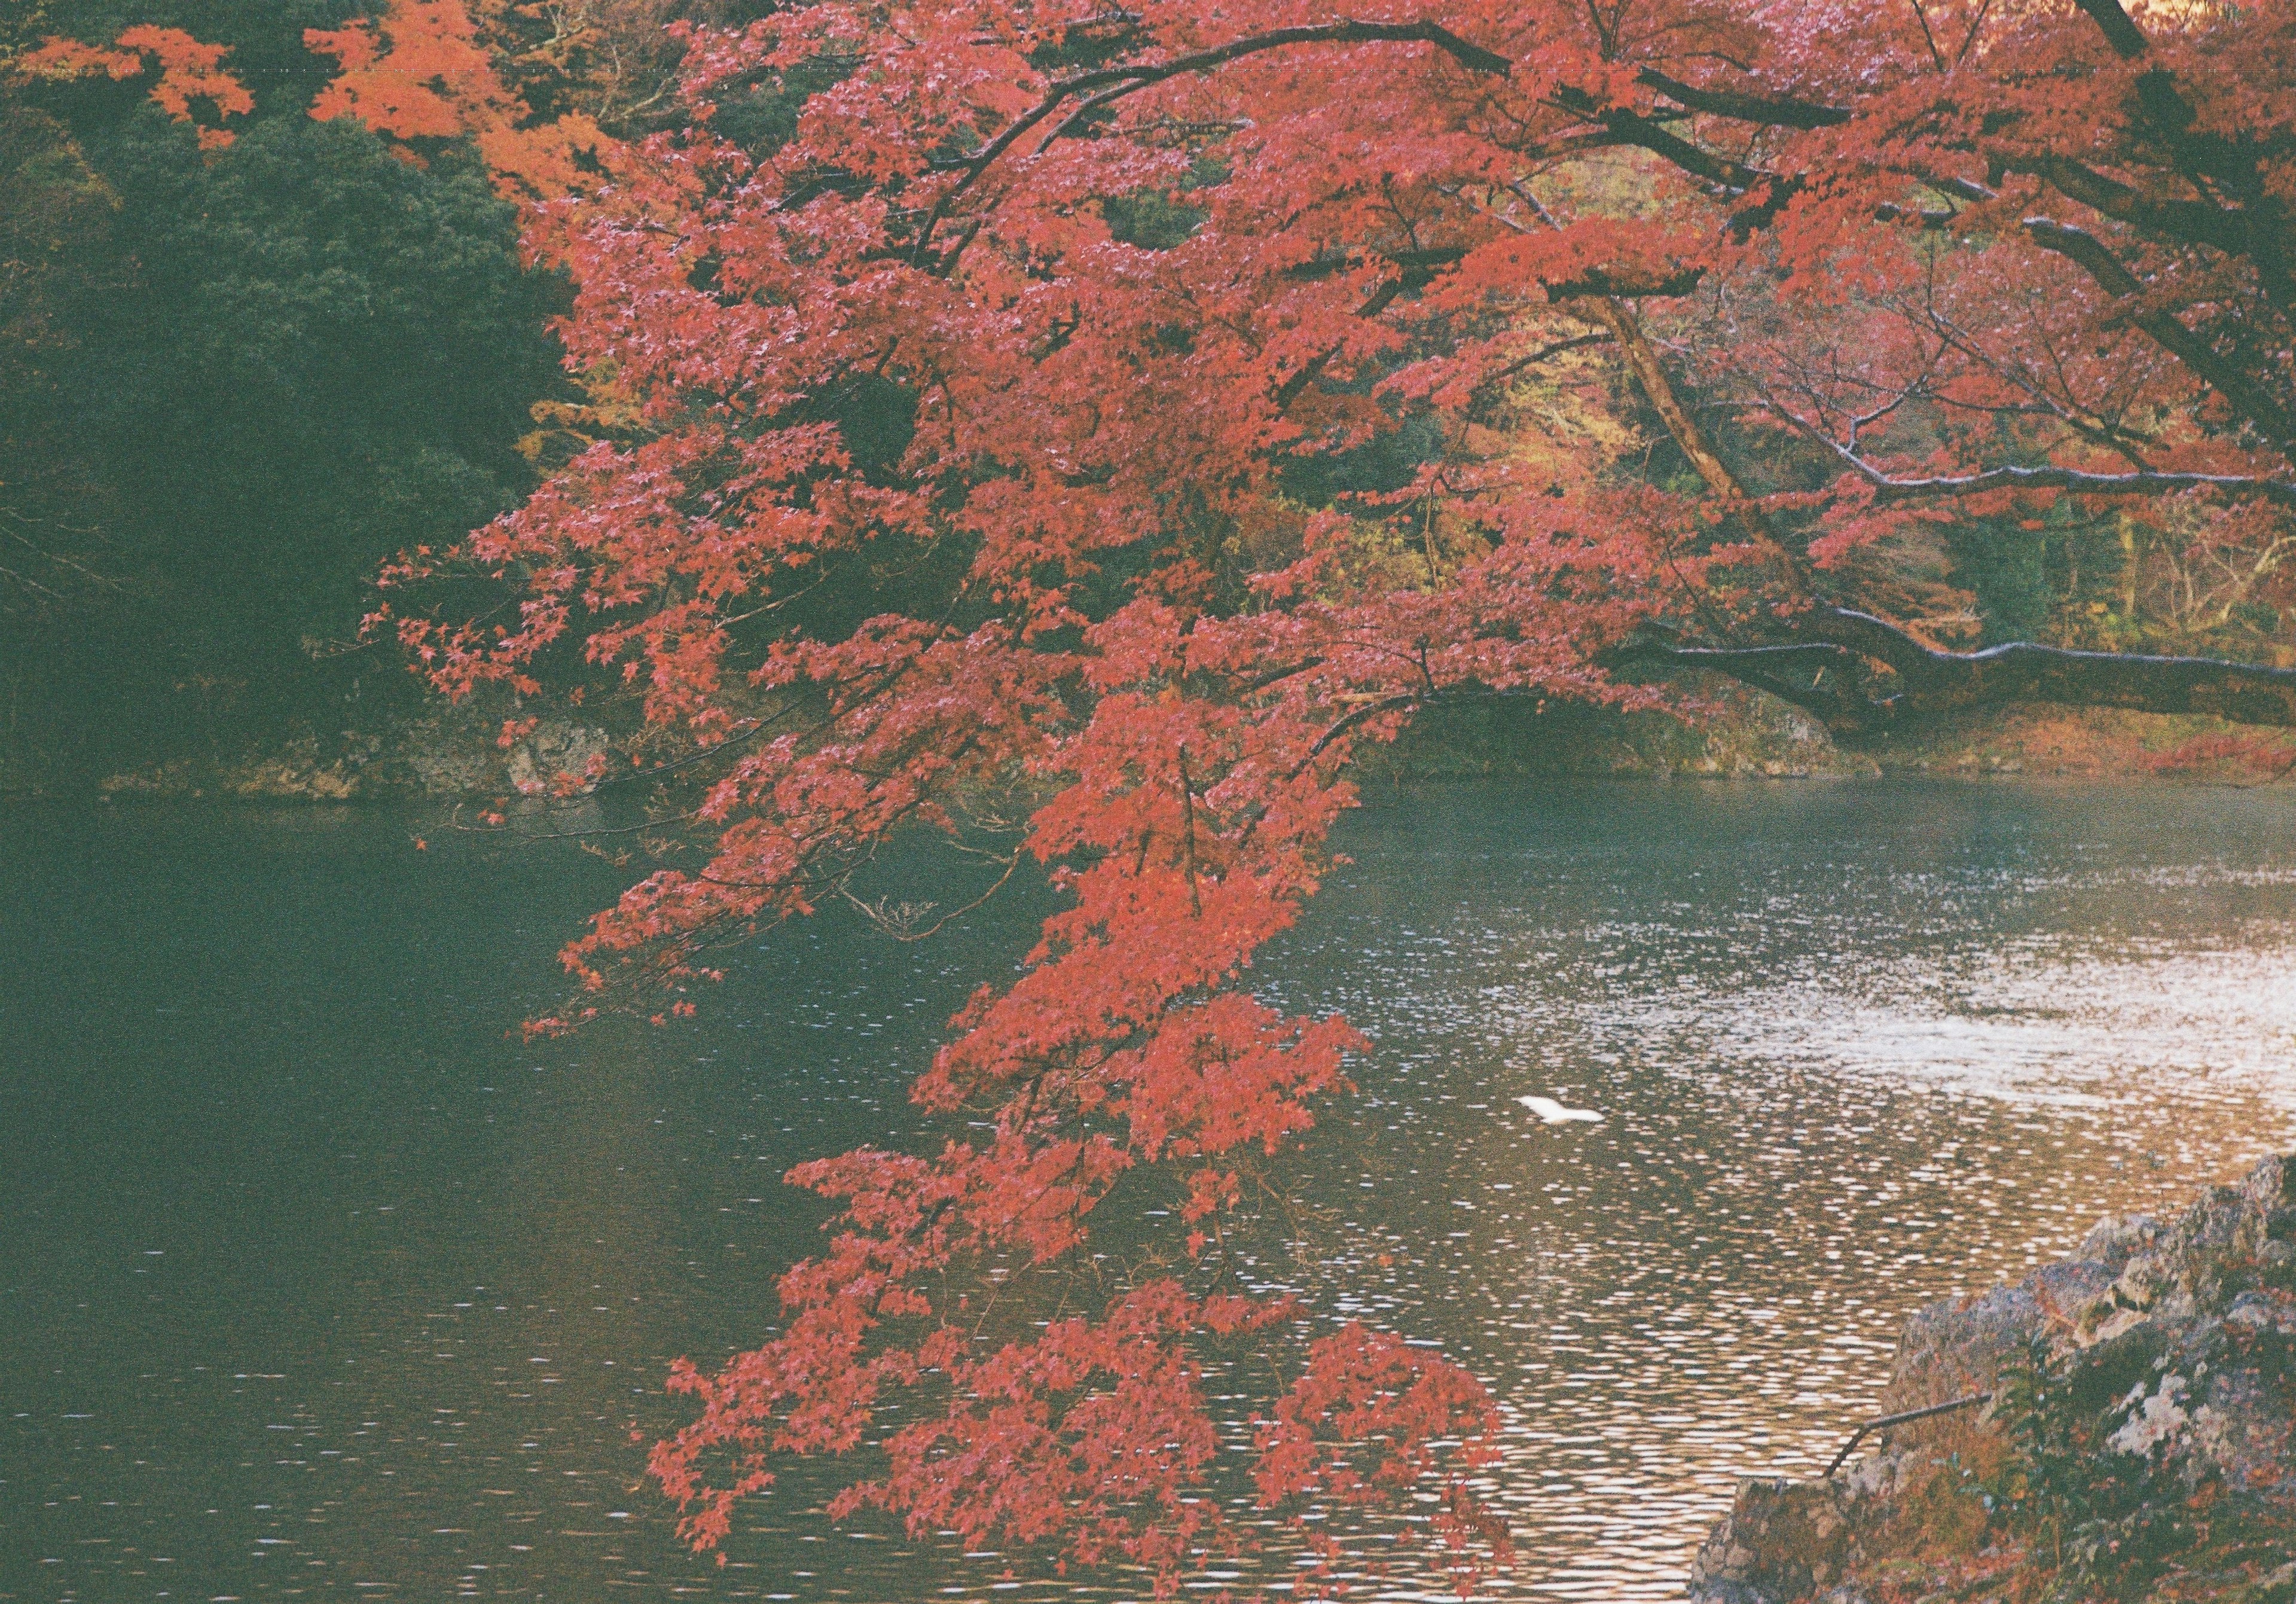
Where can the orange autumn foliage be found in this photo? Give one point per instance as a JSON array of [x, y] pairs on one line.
[[62, 58], [418, 73], [421, 72], [188, 70]]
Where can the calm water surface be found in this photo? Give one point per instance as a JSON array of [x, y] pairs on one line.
[[314, 1282]]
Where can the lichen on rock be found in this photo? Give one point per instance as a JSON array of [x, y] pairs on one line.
[[2138, 1443]]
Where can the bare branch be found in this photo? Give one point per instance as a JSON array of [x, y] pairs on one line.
[[2142, 484], [1929, 682], [2090, 254]]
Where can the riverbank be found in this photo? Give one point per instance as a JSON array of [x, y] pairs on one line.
[[1719, 730], [2139, 1441], [441, 751], [1722, 730]]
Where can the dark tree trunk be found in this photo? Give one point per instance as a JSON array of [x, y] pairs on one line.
[[1860, 673]]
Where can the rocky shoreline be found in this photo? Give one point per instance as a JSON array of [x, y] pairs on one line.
[[443, 753], [1722, 730], [1726, 730], [2139, 1440]]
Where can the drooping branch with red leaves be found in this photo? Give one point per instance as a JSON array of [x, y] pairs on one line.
[[186, 74], [1028, 423], [420, 71]]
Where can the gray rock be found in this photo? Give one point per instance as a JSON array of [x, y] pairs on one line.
[[1782, 1540], [2182, 1333], [1958, 1346]]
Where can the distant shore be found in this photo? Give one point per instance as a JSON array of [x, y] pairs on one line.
[[1723, 731], [1730, 731]]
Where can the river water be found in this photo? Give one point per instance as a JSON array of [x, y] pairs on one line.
[[315, 1282]]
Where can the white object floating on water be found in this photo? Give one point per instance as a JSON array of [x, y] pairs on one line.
[[1556, 1113]]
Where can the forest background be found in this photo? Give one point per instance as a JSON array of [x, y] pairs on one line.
[[265, 321]]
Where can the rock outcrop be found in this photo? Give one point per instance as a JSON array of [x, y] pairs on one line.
[[445, 752], [2138, 1443]]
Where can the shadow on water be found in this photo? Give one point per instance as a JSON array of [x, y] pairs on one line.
[[315, 1282]]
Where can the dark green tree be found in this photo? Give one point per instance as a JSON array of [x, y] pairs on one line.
[[239, 381]]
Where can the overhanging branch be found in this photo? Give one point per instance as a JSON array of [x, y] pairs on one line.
[[1085, 93], [2144, 483], [2092, 256], [1106, 85], [1768, 110], [1925, 681]]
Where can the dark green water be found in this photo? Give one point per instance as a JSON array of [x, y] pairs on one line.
[[315, 1282]]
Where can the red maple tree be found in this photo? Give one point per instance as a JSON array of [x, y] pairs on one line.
[[184, 72], [421, 70], [1004, 428]]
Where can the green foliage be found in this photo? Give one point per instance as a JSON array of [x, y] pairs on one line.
[[2097, 1522], [23, 26], [1158, 220], [259, 373], [2007, 568], [1384, 463], [761, 117]]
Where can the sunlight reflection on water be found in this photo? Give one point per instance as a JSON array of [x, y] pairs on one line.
[[1837, 1084], [321, 1288]]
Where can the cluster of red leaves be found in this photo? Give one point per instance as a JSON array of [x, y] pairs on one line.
[[2031, 253], [184, 71], [2264, 757], [1086, 570], [421, 72]]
